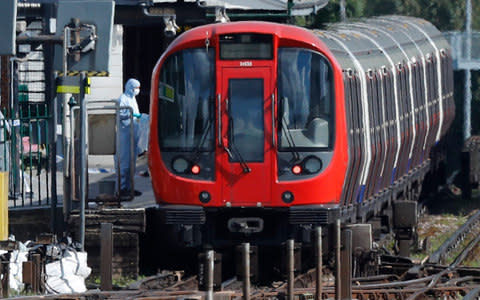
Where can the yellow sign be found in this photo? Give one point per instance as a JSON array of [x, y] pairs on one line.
[[72, 84], [3, 206], [68, 89]]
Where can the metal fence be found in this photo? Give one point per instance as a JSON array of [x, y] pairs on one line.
[[24, 143]]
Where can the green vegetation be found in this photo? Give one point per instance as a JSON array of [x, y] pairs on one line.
[[437, 229], [445, 14]]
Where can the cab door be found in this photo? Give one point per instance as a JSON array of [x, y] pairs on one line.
[[246, 136]]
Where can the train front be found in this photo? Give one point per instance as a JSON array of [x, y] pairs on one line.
[[248, 138]]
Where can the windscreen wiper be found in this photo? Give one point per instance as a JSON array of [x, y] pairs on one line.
[[243, 164], [205, 131], [289, 138]]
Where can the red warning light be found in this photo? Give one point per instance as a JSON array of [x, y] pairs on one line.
[[296, 169], [195, 169]]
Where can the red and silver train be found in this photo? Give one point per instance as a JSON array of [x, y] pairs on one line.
[[260, 131]]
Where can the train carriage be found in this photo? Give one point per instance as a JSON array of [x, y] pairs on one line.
[[262, 131]]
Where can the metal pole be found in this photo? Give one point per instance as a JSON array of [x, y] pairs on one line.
[[52, 112], [467, 126], [318, 260], [72, 150], [210, 264], [83, 158], [66, 40], [67, 183], [468, 27], [117, 147], [133, 156], [16, 141], [343, 15], [246, 270], [291, 267], [66, 138], [337, 259]]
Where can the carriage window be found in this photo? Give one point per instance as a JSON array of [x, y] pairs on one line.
[[186, 93], [306, 106]]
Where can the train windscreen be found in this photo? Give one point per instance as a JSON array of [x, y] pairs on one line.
[[306, 100], [246, 119], [186, 91]]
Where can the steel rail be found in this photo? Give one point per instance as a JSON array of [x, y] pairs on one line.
[[451, 243], [471, 245]]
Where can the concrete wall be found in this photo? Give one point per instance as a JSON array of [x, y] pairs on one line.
[[106, 88]]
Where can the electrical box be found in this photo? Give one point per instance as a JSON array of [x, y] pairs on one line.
[[97, 14], [7, 26]]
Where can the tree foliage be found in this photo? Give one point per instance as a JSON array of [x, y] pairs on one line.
[[447, 15]]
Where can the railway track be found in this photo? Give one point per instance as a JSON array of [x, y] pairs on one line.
[[431, 279]]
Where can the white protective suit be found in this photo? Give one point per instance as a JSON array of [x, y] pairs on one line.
[[132, 88]]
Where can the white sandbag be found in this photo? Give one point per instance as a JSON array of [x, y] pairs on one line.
[[68, 274], [17, 258], [62, 285]]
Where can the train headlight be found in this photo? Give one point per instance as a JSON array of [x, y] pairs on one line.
[[287, 197], [180, 165], [204, 197], [312, 164]]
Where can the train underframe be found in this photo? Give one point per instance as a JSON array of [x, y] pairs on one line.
[[195, 228]]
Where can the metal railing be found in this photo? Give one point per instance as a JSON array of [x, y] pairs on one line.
[[24, 143], [25, 154], [463, 57]]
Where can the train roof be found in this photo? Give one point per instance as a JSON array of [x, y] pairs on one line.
[[381, 41], [282, 31], [371, 43]]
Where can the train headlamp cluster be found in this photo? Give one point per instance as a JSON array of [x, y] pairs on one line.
[[182, 166], [310, 165]]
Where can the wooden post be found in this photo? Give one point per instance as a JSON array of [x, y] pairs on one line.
[[346, 267], [106, 253], [5, 272], [37, 275]]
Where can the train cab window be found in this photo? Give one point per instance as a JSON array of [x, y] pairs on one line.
[[246, 128], [306, 106], [185, 102]]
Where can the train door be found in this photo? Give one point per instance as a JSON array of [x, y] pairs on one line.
[[246, 151]]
